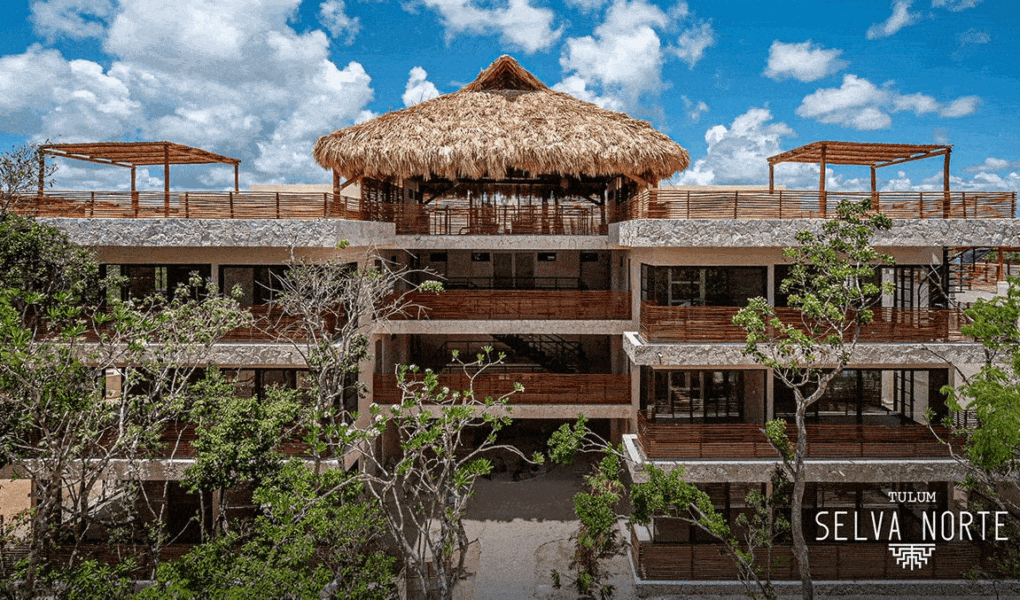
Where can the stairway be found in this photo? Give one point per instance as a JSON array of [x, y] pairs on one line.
[[552, 352]]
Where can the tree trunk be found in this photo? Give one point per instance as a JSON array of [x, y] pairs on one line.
[[800, 548]]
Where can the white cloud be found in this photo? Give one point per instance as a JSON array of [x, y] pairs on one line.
[[918, 103], [587, 6], [855, 104], [980, 181], [576, 87], [74, 19], [694, 109], [519, 23], [961, 107], [803, 61], [860, 104], [900, 18], [231, 76], [737, 154], [994, 164], [955, 5], [621, 62], [419, 88], [333, 16], [973, 36], [693, 41]]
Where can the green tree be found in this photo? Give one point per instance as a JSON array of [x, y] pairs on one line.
[[992, 396], [19, 175], [832, 284]]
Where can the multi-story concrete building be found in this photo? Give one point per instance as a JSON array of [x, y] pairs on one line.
[[612, 296]]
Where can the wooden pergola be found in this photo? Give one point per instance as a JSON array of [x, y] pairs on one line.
[[875, 156], [133, 154]]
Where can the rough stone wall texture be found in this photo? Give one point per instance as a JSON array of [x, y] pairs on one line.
[[752, 233], [211, 233], [719, 354]]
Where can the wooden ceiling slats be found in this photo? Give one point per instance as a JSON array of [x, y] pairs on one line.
[[137, 153], [855, 153]]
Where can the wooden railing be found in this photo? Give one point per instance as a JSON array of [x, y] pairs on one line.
[[715, 324], [539, 388], [847, 561], [195, 205], [674, 441], [495, 220], [807, 204], [521, 304]]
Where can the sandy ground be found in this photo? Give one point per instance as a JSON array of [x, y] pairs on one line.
[[523, 530]]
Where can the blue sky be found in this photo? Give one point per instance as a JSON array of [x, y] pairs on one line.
[[732, 81]]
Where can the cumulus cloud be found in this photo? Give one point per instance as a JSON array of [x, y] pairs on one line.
[[621, 62], [230, 76], [418, 88], [74, 19], [900, 18], [803, 62], [693, 41], [980, 181], [955, 5], [517, 22], [961, 107], [333, 16], [737, 154], [994, 164], [587, 6], [860, 104]]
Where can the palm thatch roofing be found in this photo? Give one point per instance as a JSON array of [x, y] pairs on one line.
[[504, 121]]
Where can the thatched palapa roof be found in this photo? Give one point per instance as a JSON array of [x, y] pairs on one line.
[[504, 120]]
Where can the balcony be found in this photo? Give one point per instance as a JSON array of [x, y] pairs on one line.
[[481, 304], [715, 324], [810, 204], [539, 388], [664, 561], [741, 441]]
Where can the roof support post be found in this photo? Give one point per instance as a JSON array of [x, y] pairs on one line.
[[874, 189], [237, 180], [166, 180], [42, 173], [945, 185], [336, 191], [821, 184], [134, 193], [772, 178]]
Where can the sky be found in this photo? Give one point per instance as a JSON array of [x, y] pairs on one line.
[[732, 81]]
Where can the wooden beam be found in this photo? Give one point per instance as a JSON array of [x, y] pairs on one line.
[[166, 180], [821, 183], [900, 161], [772, 178], [945, 185]]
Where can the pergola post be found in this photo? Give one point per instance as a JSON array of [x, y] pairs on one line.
[[134, 192], [821, 184], [945, 185], [237, 179], [42, 173], [772, 178], [336, 191], [874, 189], [166, 180]]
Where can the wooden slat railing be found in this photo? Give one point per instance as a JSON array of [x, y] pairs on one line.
[[674, 441], [539, 388], [495, 220], [805, 204], [521, 304], [847, 561], [195, 205], [715, 324]]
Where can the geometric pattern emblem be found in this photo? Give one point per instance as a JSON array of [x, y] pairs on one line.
[[910, 556]]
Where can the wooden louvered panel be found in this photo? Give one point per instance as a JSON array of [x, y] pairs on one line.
[[539, 388], [521, 304]]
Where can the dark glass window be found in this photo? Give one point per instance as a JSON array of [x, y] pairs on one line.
[[141, 281], [694, 396], [702, 286], [258, 283], [858, 396]]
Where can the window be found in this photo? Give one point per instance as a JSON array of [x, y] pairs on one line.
[[695, 396], [258, 284], [702, 286], [141, 281]]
